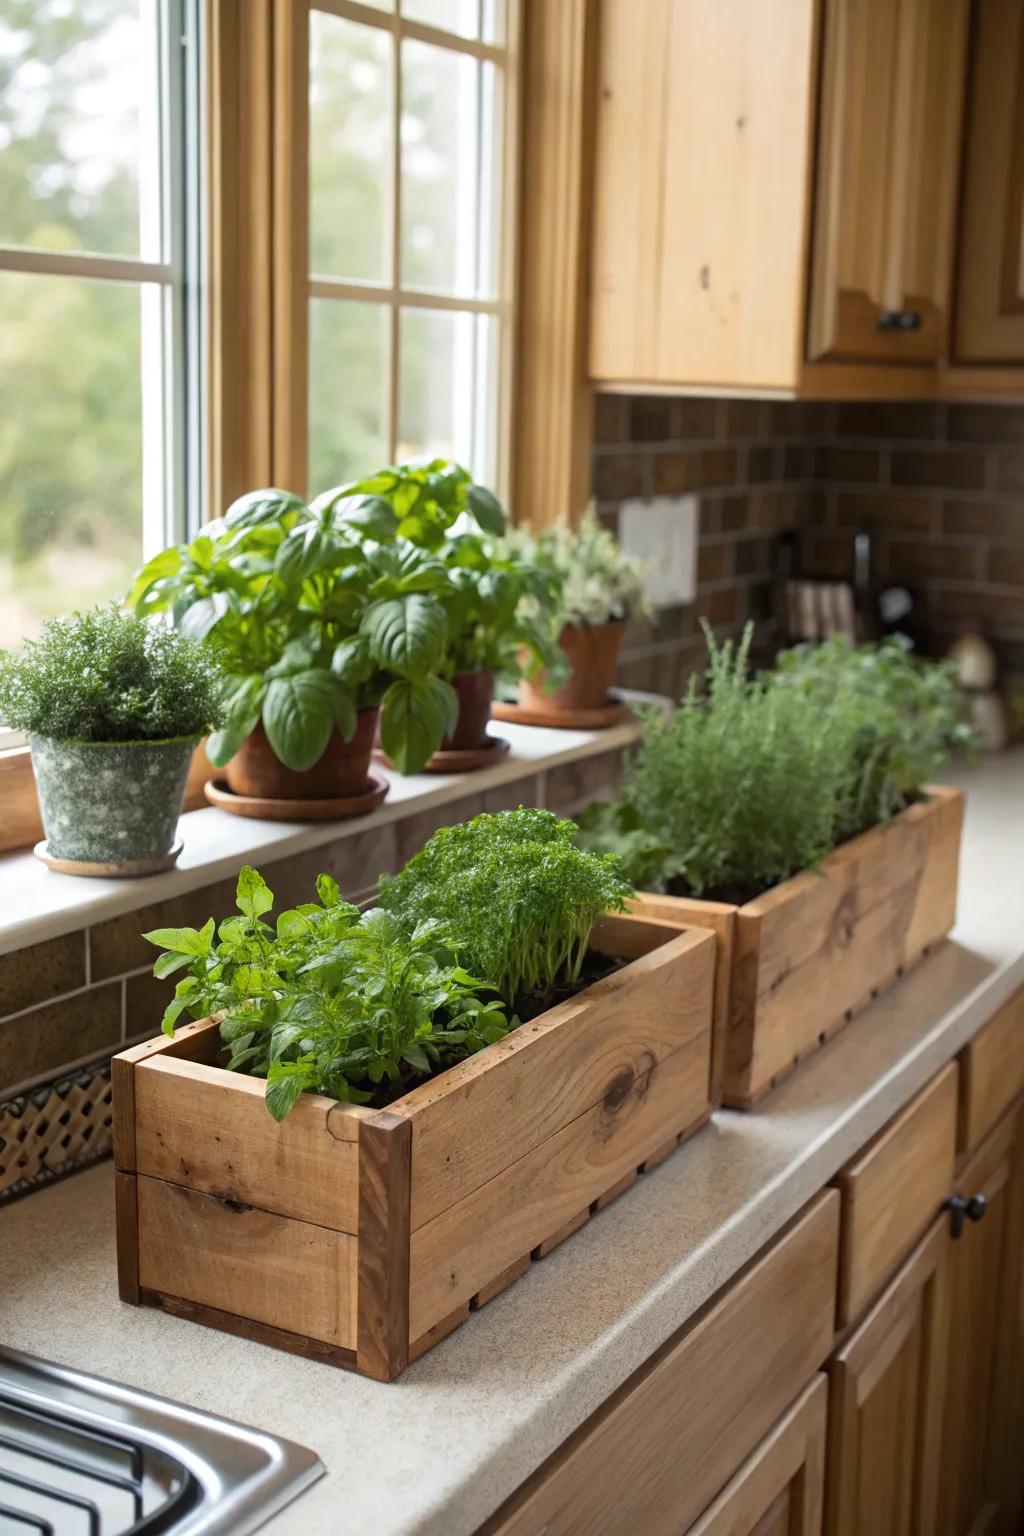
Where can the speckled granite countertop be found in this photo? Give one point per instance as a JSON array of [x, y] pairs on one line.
[[438, 1450]]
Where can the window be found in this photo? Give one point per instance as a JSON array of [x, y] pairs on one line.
[[411, 221], [95, 346]]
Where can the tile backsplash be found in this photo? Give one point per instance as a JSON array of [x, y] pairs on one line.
[[939, 486]]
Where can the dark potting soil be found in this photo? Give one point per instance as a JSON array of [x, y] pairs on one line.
[[530, 1005]]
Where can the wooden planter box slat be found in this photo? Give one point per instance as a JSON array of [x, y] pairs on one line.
[[797, 963], [362, 1237]]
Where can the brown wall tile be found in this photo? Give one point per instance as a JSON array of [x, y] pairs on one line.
[[860, 509], [117, 945], [48, 1038], [41, 971], [888, 419], [921, 561], [944, 469], [986, 423], [846, 464]]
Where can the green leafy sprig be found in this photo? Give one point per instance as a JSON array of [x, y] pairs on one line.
[[516, 896], [330, 999]]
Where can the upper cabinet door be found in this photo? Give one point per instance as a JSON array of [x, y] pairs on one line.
[[990, 286], [888, 163], [702, 158]]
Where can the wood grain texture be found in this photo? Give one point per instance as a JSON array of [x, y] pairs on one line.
[[287, 1274], [779, 1490], [981, 1474], [246, 1328], [552, 433], [709, 108], [812, 952], [887, 1389], [385, 1142], [209, 1129], [500, 1283], [126, 1219], [989, 326], [891, 102], [992, 1068], [440, 1331], [893, 1189], [654, 1456], [482, 1116], [476, 1237], [561, 1234]]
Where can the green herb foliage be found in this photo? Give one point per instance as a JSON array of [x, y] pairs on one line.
[[108, 676], [516, 896], [496, 600], [740, 786], [908, 716], [353, 1005]]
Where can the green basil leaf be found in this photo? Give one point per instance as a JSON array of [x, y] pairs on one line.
[[166, 563], [328, 890], [200, 617], [374, 518], [283, 1093], [264, 506], [299, 716], [406, 635], [166, 965], [487, 510], [183, 941], [414, 716], [352, 662], [253, 896]]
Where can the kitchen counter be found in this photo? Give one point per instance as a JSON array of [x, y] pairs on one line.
[[438, 1450]]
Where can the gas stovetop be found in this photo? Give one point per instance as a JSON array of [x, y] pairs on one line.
[[80, 1456]]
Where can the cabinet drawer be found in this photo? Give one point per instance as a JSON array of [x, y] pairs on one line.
[[654, 1456], [892, 1190], [992, 1072], [780, 1489]]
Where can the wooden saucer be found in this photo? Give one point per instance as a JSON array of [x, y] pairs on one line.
[[262, 809], [98, 870], [611, 713], [463, 759]]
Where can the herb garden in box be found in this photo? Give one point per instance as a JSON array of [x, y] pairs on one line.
[[791, 814], [379, 1116]]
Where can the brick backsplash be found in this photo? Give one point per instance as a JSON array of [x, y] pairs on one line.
[[749, 463], [944, 506], [939, 486]]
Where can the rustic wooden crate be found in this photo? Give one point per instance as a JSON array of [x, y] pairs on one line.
[[363, 1237], [799, 962]]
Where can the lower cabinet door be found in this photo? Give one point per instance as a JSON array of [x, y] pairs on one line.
[[885, 1411], [982, 1450], [779, 1490]]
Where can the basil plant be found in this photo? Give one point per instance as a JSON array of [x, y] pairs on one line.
[[315, 612]]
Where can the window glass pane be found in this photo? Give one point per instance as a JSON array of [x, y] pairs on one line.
[[70, 446], [449, 174], [347, 391], [448, 388], [351, 123], [480, 19], [79, 127]]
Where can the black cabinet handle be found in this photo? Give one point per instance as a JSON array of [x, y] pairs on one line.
[[963, 1208], [899, 319]]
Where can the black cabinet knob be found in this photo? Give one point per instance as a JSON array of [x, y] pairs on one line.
[[963, 1208]]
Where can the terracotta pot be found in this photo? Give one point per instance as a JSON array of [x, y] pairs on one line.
[[593, 652], [475, 691], [343, 770]]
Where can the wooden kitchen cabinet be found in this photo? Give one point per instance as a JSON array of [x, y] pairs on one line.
[[990, 281], [981, 1468], [702, 160], [886, 1398], [888, 165], [779, 1490]]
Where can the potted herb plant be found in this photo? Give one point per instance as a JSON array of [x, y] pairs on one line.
[[113, 708], [490, 625], [329, 625], [454, 1079], [601, 588], [791, 813]]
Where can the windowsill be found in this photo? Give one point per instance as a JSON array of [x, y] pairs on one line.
[[36, 904]]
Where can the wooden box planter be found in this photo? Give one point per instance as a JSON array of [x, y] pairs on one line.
[[797, 963], [362, 1237]]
